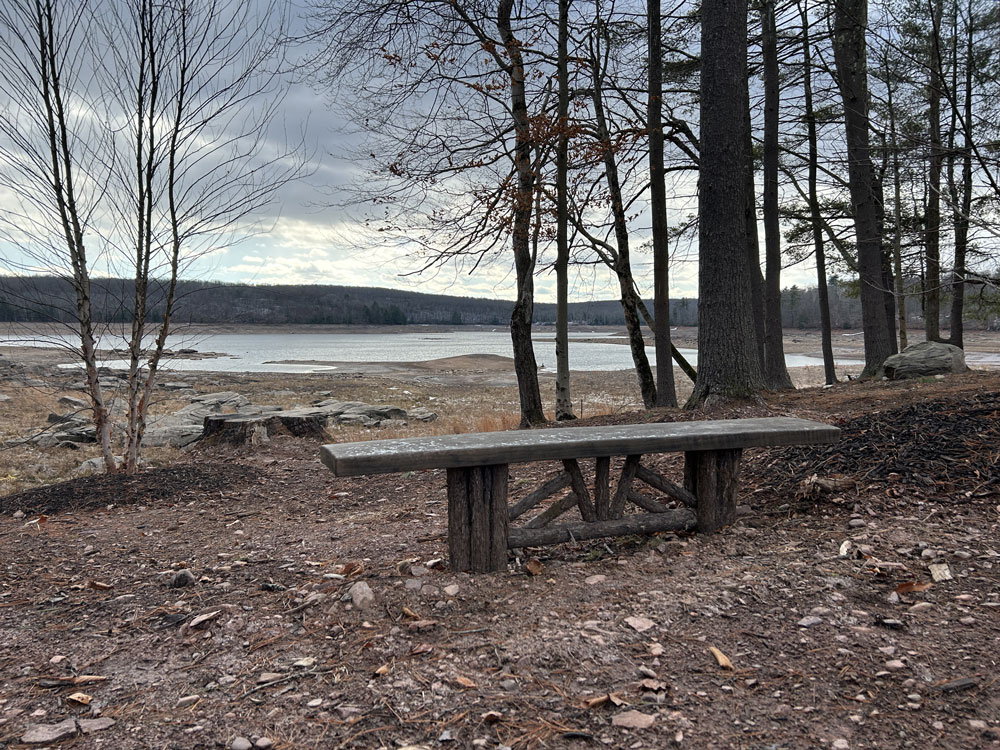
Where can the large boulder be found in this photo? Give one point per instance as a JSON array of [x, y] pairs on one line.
[[923, 359]]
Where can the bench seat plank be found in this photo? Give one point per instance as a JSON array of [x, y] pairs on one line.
[[521, 446]]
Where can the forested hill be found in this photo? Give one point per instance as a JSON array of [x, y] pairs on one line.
[[49, 298]]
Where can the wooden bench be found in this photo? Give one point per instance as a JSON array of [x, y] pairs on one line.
[[479, 518]]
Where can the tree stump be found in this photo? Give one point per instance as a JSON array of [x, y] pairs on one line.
[[713, 478], [478, 520]]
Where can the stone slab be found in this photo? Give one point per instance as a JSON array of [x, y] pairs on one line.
[[523, 446]]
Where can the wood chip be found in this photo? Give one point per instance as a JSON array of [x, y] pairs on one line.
[[202, 619], [721, 658]]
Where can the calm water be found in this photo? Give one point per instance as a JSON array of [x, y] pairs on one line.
[[269, 352]]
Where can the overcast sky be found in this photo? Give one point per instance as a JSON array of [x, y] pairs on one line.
[[307, 235]]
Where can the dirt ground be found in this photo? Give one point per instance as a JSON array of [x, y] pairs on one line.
[[814, 621]]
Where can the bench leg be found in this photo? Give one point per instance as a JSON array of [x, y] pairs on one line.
[[478, 522], [713, 478]]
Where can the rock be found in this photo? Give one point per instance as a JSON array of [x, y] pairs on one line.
[[264, 743], [221, 399], [241, 743], [421, 414], [187, 700], [639, 624], [4, 397], [451, 590], [595, 579], [924, 359], [89, 726], [857, 523], [632, 720], [841, 744], [181, 578], [176, 436], [74, 403], [977, 724], [920, 607], [895, 665], [45, 734], [362, 596], [808, 622]]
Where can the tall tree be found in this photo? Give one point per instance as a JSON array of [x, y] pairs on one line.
[[932, 216], [666, 394], [728, 366], [816, 220], [850, 56], [564, 401], [776, 374]]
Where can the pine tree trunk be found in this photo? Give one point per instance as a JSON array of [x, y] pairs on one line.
[[728, 362], [850, 51], [564, 401], [776, 375], [666, 394]]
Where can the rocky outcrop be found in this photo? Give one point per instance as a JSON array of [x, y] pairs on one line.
[[925, 359], [230, 417]]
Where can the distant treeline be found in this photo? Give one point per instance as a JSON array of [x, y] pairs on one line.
[[41, 299]]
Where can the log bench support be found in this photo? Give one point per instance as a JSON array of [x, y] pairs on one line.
[[478, 518], [713, 478], [479, 532]]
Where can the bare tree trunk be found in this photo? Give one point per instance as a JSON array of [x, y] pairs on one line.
[[525, 365], [822, 293], [776, 375], [622, 264], [897, 248], [666, 394], [756, 279], [564, 401], [728, 363], [52, 54], [932, 226], [850, 49], [965, 208]]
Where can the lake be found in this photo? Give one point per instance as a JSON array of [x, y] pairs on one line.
[[270, 352]]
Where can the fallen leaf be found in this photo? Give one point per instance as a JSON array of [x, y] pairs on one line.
[[202, 619], [99, 585], [633, 720], [352, 568], [410, 613], [533, 566], [82, 698], [422, 648], [383, 670], [639, 624], [599, 700], [721, 658], [491, 717], [908, 586], [651, 684], [465, 682], [421, 625]]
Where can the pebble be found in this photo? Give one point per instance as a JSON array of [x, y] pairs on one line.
[[857, 523], [18, 514], [452, 589], [977, 724], [315, 703], [188, 700], [895, 665], [920, 607], [362, 596], [595, 579], [264, 743], [808, 622], [45, 734], [181, 578], [968, 620], [841, 744], [241, 743], [88, 726]]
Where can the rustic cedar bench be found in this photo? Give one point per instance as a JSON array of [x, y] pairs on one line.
[[479, 531]]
